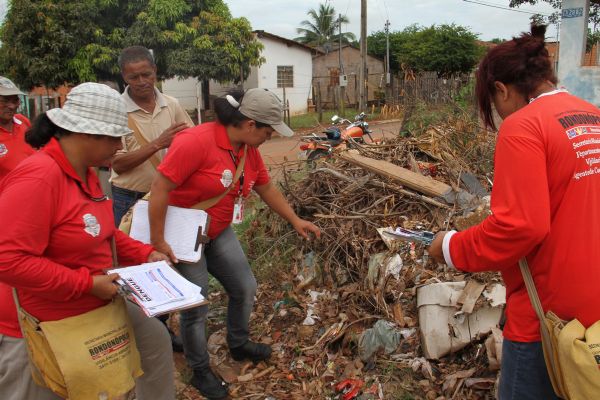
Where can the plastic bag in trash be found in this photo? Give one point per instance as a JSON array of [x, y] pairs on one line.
[[383, 334]]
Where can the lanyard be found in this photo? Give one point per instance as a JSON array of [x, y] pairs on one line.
[[241, 180]]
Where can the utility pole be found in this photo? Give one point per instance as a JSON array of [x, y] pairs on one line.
[[363, 57], [387, 51], [387, 61], [342, 91]]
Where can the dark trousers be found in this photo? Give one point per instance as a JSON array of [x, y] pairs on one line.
[[123, 200], [524, 375], [224, 259]]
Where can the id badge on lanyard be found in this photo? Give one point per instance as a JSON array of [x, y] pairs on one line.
[[238, 205], [238, 210]]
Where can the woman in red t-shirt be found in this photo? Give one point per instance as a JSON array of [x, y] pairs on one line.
[[13, 148], [201, 165], [55, 241], [544, 206]]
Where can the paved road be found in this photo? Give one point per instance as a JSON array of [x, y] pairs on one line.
[[279, 149]]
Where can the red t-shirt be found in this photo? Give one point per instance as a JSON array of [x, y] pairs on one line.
[[545, 206], [13, 148], [200, 163], [54, 238]]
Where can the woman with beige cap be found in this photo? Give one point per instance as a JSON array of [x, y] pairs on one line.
[[55, 241], [214, 166]]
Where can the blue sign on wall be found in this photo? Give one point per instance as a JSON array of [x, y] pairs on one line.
[[572, 12]]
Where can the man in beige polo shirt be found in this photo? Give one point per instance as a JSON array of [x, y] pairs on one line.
[[154, 117]]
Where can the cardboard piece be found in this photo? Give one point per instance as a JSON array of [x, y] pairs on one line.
[[443, 327]]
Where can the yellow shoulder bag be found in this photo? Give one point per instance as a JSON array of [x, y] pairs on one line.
[[571, 352], [87, 356]]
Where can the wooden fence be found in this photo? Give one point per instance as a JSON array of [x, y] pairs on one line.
[[427, 87]]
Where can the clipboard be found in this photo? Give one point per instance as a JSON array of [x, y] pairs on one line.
[[201, 238], [185, 230], [127, 291]]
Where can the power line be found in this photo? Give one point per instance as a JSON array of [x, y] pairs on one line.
[[494, 5], [387, 11]]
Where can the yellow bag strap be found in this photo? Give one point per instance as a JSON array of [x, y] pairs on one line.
[[113, 250], [141, 139], [531, 290], [206, 204], [537, 306]]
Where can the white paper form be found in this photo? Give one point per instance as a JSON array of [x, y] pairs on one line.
[[157, 288], [181, 229]]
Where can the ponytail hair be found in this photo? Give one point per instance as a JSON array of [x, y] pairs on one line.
[[523, 62], [42, 130], [227, 109]]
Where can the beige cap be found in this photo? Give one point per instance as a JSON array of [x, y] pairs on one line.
[[8, 88], [264, 106]]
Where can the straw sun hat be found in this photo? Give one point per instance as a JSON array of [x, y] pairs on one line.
[[92, 108]]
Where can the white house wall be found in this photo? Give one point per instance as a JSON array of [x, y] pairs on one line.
[[579, 80], [184, 90], [278, 53]]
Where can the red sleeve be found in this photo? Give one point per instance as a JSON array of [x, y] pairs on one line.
[[520, 206], [131, 251], [263, 175], [25, 233], [184, 157]]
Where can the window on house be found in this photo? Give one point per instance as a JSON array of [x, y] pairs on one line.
[[285, 76]]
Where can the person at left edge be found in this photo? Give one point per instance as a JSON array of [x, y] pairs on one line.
[[55, 240], [13, 148]]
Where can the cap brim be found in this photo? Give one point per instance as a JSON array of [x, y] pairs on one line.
[[75, 123], [11, 92], [283, 130]]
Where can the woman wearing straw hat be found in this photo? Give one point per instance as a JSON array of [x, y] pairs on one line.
[[219, 163], [56, 234]]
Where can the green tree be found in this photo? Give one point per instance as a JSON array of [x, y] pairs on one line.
[[445, 49], [594, 15], [40, 37], [323, 28], [61, 41]]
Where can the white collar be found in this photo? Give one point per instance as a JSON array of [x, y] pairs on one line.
[[550, 93]]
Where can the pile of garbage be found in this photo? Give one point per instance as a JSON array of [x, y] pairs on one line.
[[359, 314]]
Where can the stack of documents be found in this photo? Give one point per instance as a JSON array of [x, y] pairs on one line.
[[183, 226], [157, 288]]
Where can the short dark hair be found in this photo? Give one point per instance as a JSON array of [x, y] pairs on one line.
[[523, 62], [135, 54]]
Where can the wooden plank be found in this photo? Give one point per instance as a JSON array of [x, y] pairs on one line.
[[418, 182]]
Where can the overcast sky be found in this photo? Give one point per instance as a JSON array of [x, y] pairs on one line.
[[282, 17]]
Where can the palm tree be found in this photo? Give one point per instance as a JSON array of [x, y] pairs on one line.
[[323, 29]]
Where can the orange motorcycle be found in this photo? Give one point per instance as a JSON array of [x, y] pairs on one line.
[[316, 146]]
